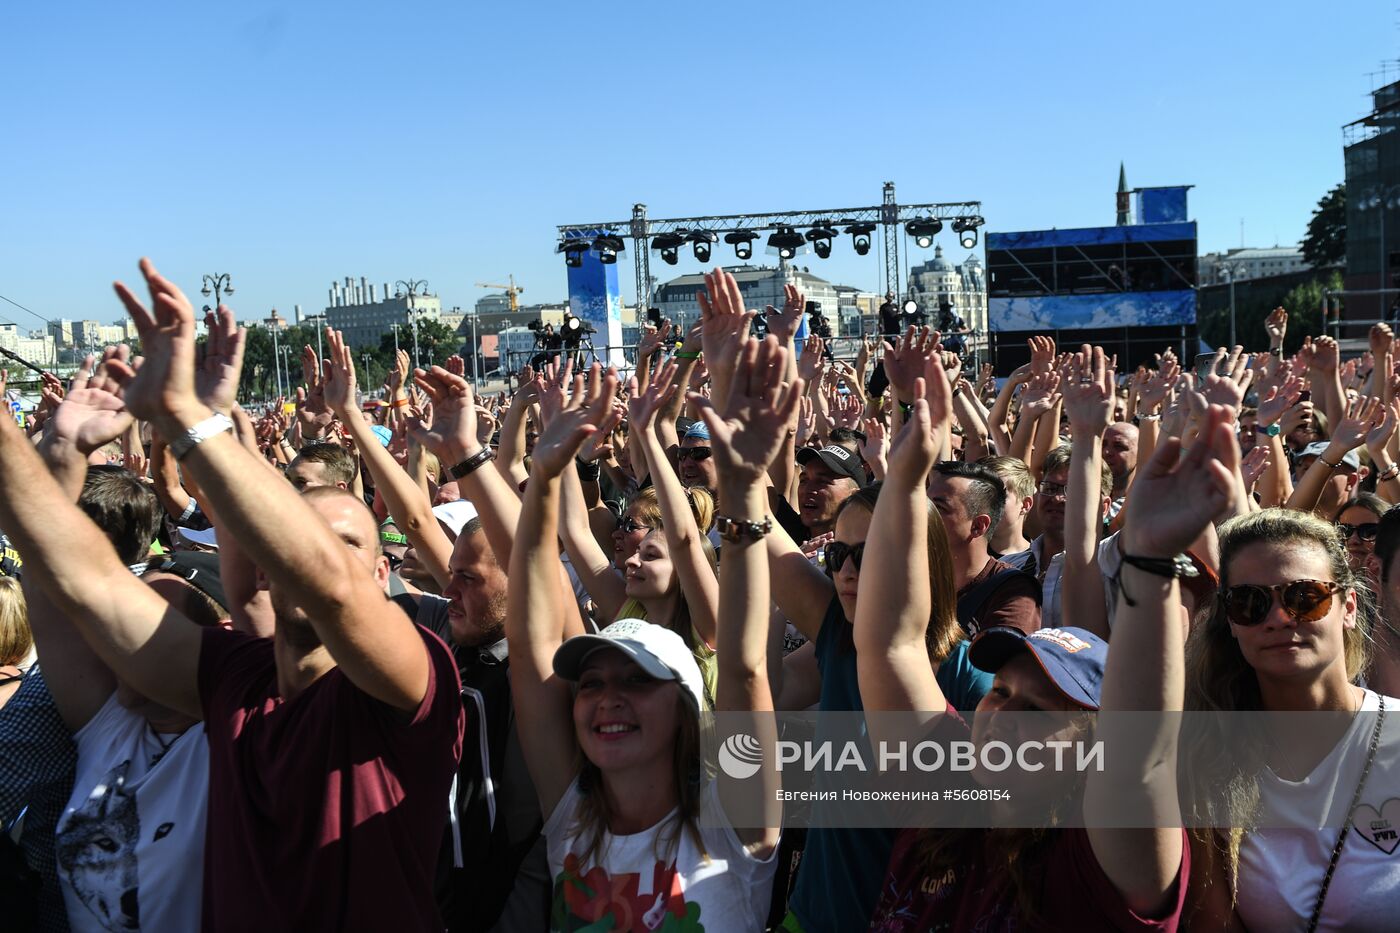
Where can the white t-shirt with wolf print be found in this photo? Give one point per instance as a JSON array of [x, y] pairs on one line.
[[130, 843]]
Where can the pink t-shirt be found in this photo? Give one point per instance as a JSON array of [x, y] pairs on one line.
[[326, 811]]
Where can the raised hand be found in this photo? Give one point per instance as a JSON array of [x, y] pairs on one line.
[[724, 325], [875, 447], [806, 421], [652, 339], [908, 358], [1326, 354], [338, 377], [1382, 338], [1089, 395], [219, 361], [916, 445], [1379, 436], [451, 436], [396, 380], [1174, 498], [846, 410], [1363, 416], [642, 405], [809, 361], [602, 444], [749, 433], [1042, 353], [1278, 400], [164, 385], [456, 365], [1276, 325], [1254, 464], [1152, 392], [588, 410], [554, 386], [1228, 379], [783, 324], [1040, 394], [93, 413]]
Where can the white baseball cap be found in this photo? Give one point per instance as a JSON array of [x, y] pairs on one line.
[[455, 514], [657, 650]]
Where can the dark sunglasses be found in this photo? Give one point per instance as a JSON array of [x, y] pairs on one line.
[[694, 453], [1366, 530], [1304, 600], [834, 556], [630, 525]]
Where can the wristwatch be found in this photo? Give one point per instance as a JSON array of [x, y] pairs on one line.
[[198, 433], [1272, 430], [733, 530]]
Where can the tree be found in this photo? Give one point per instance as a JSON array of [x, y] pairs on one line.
[[1325, 243]]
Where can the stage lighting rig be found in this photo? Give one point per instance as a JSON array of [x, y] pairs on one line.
[[966, 229], [786, 241], [860, 237], [820, 237], [742, 241], [701, 240], [608, 247], [923, 231], [573, 250], [668, 244]]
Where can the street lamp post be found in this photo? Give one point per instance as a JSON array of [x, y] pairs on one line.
[[476, 356], [276, 354], [408, 289], [287, 364], [364, 357], [217, 285], [1233, 271]]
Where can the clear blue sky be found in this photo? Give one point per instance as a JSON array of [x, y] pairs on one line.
[[290, 144]]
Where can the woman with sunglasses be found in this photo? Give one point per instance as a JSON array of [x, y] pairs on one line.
[[636, 833], [1357, 521], [1289, 634]]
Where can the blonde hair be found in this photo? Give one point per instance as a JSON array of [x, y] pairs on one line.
[[702, 508], [1220, 679], [15, 637]]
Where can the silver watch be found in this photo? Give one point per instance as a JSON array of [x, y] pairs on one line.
[[198, 434]]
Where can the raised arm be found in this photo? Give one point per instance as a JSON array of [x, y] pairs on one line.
[[1175, 500], [535, 603], [683, 538], [746, 437], [1088, 400], [374, 643], [895, 601], [410, 509], [1363, 416], [724, 328]]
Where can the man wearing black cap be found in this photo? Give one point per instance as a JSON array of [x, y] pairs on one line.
[[829, 476]]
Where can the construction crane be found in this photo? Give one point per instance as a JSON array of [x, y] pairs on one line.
[[511, 290]]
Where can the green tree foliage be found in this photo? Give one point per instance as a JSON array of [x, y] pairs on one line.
[[1325, 243], [1254, 299]]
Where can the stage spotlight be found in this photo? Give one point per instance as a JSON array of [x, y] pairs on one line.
[[573, 250], [923, 231], [668, 244], [786, 241], [860, 237], [742, 241], [966, 229], [608, 247], [701, 240], [820, 237]]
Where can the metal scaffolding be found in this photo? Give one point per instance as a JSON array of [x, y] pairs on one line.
[[888, 215]]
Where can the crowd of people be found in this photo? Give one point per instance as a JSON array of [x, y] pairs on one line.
[[435, 661]]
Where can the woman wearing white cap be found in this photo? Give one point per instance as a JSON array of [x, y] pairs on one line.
[[610, 723], [973, 877]]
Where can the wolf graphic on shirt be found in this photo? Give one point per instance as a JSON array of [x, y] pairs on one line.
[[96, 850]]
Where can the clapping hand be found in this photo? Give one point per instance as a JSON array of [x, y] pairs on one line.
[[1174, 498], [164, 385], [907, 359], [588, 410], [642, 405], [1089, 396], [93, 413], [451, 436], [219, 361], [749, 433], [783, 324], [1040, 394]]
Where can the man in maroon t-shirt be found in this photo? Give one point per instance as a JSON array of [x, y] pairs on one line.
[[334, 744], [970, 498]]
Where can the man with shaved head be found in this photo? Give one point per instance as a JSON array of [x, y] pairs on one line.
[[1120, 454]]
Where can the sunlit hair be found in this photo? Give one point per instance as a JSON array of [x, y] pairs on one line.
[[1363, 500], [1220, 679], [702, 508], [594, 813], [15, 637], [1014, 473], [944, 631]]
